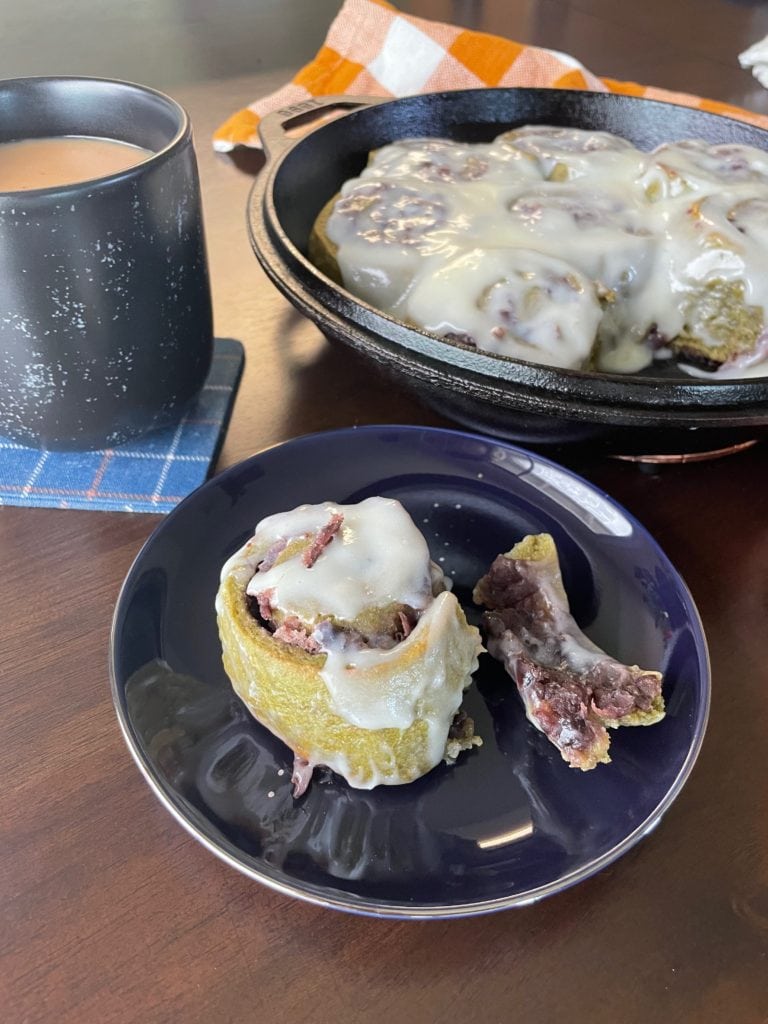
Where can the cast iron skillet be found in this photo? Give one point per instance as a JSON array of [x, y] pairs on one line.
[[658, 411]]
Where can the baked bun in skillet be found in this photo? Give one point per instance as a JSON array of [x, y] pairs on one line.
[[563, 246]]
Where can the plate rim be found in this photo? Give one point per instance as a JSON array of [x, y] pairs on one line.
[[390, 909]]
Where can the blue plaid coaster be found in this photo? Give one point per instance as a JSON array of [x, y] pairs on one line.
[[151, 474]]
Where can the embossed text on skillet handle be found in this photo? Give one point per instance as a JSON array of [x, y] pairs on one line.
[[274, 127]]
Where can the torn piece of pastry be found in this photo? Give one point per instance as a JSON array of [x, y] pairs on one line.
[[572, 690], [342, 638]]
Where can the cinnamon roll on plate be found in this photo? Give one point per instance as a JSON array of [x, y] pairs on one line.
[[341, 637]]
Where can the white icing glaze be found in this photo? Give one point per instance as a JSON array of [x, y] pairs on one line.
[[530, 306], [444, 162], [377, 557], [377, 689], [568, 154], [431, 227], [355, 681], [601, 233], [684, 169]]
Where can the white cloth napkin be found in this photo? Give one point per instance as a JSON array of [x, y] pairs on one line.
[[756, 57]]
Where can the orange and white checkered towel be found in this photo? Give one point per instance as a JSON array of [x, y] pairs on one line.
[[374, 50]]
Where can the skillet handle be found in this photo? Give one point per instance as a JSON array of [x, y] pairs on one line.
[[272, 127]]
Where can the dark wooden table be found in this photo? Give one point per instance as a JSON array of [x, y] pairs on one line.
[[110, 911]]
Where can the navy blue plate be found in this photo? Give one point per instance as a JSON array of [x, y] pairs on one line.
[[510, 822]]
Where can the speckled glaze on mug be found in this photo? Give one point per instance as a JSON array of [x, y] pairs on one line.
[[105, 307]]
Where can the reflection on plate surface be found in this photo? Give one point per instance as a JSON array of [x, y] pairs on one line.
[[510, 822]]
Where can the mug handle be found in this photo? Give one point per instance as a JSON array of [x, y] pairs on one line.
[[273, 127]]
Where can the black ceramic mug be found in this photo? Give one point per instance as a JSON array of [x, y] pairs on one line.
[[105, 307]]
